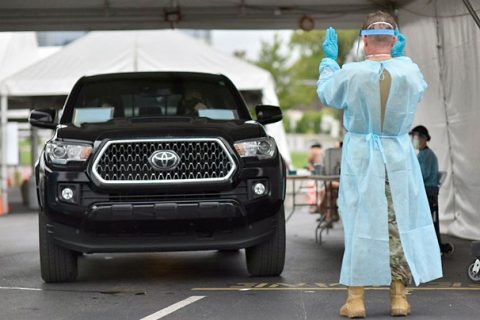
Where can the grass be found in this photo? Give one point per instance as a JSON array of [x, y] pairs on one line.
[[299, 159], [25, 152]]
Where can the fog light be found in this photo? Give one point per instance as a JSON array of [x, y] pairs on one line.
[[259, 188], [67, 194]]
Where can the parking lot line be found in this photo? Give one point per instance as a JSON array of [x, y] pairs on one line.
[[337, 289], [334, 286], [174, 307], [20, 288]]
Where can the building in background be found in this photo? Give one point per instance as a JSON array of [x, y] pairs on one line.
[[58, 38], [205, 35], [62, 38]]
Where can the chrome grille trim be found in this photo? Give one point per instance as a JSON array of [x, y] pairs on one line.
[[104, 148]]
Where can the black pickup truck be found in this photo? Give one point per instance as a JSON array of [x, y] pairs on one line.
[[159, 161]]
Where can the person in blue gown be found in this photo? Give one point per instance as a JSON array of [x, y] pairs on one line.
[[389, 234]]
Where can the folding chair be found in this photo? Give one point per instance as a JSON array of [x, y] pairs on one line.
[[328, 208]]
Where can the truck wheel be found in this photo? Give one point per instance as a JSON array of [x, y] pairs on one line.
[[57, 264], [268, 258]]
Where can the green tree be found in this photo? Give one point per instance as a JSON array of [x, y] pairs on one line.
[[295, 80], [309, 123], [272, 59], [286, 123], [304, 71], [303, 125]]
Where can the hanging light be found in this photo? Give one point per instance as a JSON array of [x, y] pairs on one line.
[[306, 23], [173, 15]]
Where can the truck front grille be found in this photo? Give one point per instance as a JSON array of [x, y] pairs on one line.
[[150, 161]]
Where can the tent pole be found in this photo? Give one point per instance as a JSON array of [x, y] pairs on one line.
[[472, 11], [3, 122], [441, 63]]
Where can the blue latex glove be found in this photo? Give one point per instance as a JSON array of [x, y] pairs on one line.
[[330, 44], [398, 49]]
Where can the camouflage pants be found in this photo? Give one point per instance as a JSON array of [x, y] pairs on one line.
[[398, 263]]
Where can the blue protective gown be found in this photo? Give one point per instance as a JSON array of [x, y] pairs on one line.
[[369, 151]]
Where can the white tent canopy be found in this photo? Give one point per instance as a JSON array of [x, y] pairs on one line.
[[17, 50], [127, 51]]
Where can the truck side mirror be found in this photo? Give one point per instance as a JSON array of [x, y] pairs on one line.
[[268, 114], [43, 118]]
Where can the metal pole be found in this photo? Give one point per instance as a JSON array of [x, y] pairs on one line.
[[442, 67], [32, 201], [34, 147], [472, 11], [3, 122]]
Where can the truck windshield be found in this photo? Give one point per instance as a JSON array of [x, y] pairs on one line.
[[103, 101]]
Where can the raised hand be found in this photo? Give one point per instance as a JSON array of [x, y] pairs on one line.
[[330, 44], [398, 49]]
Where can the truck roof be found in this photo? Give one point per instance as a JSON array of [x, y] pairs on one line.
[[155, 74]]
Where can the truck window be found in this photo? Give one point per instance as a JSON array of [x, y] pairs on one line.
[[102, 101]]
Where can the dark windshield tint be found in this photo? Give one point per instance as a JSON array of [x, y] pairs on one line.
[[103, 101]]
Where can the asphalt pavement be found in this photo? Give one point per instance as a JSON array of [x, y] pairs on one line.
[[211, 285]]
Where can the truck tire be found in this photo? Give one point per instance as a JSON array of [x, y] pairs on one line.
[[268, 258], [57, 264]]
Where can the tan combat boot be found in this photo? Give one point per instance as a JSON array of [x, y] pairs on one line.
[[398, 299], [354, 307]]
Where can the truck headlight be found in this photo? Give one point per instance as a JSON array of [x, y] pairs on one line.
[[62, 152], [262, 148]]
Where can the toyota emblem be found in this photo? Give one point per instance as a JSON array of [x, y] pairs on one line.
[[164, 160]]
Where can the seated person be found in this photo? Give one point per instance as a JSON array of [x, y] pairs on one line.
[[315, 156], [427, 159], [112, 102], [331, 167], [328, 194], [193, 102], [429, 166], [314, 160]]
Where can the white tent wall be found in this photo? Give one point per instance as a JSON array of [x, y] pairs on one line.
[[443, 39], [126, 51]]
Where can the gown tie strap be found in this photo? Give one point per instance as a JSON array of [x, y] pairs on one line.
[[377, 143]]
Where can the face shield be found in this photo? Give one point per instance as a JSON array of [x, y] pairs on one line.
[[418, 139], [386, 29]]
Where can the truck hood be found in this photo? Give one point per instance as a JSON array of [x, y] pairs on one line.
[[162, 128]]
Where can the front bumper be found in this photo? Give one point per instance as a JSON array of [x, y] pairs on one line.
[[183, 239], [165, 211], [167, 218]]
